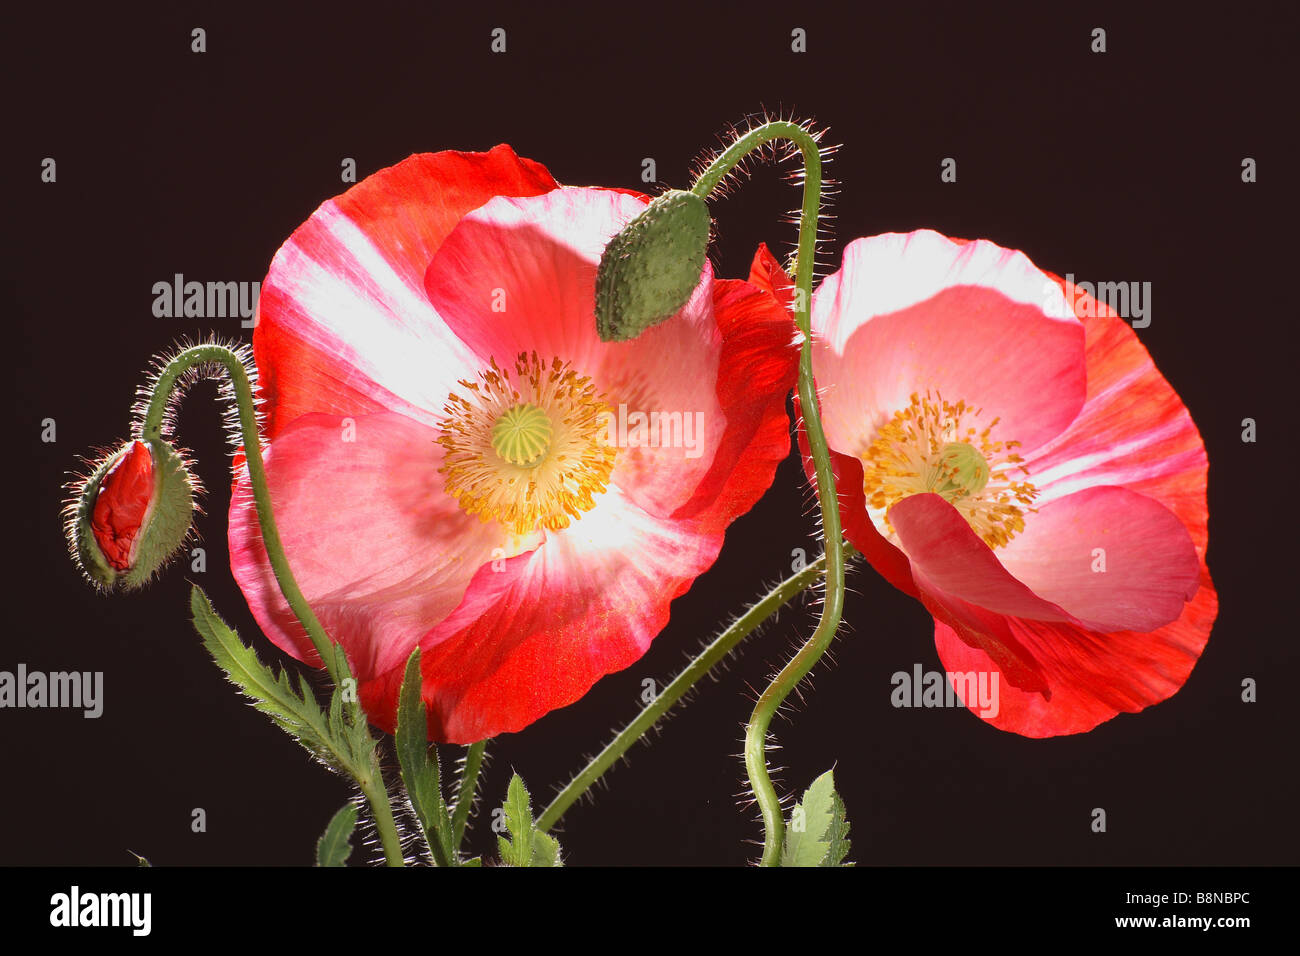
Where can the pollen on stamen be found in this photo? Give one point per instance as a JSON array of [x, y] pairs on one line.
[[929, 447], [544, 476]]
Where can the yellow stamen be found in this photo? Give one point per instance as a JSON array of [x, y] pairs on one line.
[[527, 447], [927, 447]]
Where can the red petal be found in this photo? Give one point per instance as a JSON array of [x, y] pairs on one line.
[[536, 633], [126, 493], [1090, 677], [352, 278], [766, 273], [757, 370]]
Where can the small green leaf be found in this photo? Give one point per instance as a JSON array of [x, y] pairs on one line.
[[139, 860], [817, 831], [419, 764], [526, 845], [546, 850], [837, 837], [335, 844], [297, 712]]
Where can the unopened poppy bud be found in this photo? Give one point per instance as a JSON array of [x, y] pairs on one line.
[[131, 515], [651, 267]]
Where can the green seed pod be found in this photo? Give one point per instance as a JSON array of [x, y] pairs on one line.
[[651, 267]]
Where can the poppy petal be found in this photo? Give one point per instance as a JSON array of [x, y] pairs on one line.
[[1090, 677], [968, 322], [344, 326], [537, 633], [1114, 559], [380, 551], [518, 275]]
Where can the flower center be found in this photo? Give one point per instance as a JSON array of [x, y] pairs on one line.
[[930, 447], [526, 447], [522, 435], [959, 471]]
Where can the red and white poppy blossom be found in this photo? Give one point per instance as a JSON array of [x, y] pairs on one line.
[[1028, 474], [456, 461]]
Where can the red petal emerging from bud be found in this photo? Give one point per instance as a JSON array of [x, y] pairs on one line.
[[125, 496]]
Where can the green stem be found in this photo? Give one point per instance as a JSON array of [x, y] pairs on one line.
[[465, 792], [760, 780], [372, 785], [152, 429], [331, 655], [704, 662]]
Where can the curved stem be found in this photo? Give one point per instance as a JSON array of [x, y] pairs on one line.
[[465, 792], [704, 662], [756, 732], [151, 429], [331, 655]]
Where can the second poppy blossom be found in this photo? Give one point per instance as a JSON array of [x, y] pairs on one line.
[[1028, 475]]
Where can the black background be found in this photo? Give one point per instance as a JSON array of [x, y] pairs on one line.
[[1117, 166]]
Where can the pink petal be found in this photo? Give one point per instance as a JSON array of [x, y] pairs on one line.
[[972, 322], [949, 559], [536, 634], [1150, 570], [1133, 430], [380, 551], [518, 275]]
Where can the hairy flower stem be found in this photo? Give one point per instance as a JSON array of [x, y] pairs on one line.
[[465, 792], [370, 782], [760, 781], [703, 663]]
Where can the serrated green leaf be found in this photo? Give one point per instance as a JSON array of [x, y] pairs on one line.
[[517, 849], [335, 844], [419, 764], [837, 837], [526, 845], [336, 710], [359, 742], [297, 713], [806, 841], [546, 850]]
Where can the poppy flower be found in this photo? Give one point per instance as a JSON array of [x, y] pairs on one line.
[[1028, 474], [457, 461]]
